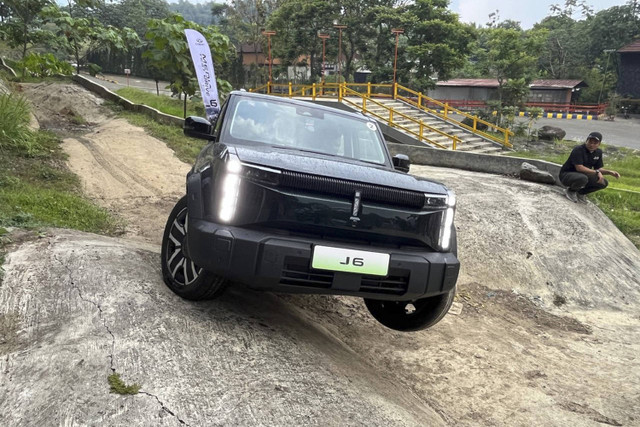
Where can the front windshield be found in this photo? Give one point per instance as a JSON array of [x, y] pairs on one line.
[[305, 128]]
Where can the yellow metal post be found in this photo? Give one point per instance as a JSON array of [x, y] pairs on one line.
[[455, 143], [475, 122], [421, 130], [364, 104], [395, 90], [368, 89], [446, 107], [290, 92], [340, 92], [420, 100], [313, 92], [506, 139], [391, 118], [268, 88]]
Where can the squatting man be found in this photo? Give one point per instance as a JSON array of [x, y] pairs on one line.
[[583, 171]]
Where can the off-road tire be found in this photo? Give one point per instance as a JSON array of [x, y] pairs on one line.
[[414, 315], [179, 272], [407, 316]]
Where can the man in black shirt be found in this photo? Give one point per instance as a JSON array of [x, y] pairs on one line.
[[583, 171]]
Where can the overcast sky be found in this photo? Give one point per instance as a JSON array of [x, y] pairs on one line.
[[527, 12]]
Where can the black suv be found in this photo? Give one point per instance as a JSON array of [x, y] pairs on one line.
[[290, 196]]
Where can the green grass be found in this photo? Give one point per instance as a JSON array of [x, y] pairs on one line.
[[186, 148], [162, 103], [36, 189], [621, 200], [116, 385]]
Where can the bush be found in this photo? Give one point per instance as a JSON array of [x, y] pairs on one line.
[[36, 65], [94, 69], [14, 126]]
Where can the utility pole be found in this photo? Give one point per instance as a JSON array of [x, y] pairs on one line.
[[269, 34], [324, 38], [397, 32], [340, 28]]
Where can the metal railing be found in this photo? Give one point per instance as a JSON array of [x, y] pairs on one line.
[[392, 118], [423, 102], [368, 91]]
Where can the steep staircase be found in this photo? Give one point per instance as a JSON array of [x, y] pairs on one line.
[[409, 116], [468, 141]]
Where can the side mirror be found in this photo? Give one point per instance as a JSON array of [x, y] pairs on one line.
[[401, 162], [197, 127]]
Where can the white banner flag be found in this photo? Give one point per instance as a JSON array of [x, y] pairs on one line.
[[203, 63]]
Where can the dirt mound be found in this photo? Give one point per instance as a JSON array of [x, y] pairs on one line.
[[134, 176], [59, 106]]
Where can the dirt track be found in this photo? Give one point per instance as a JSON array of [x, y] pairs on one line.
[[533, 344]]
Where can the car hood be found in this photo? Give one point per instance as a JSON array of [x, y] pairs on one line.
[[335, 167]]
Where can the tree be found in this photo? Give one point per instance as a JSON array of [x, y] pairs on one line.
[[298, 23], [382, 17], [562, 53], [133, 14], [512, 54], [198, 13], [168, 52], [243, 21], [23, 26], [438, 43]]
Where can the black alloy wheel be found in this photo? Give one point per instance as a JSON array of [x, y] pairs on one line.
[[180, 273]]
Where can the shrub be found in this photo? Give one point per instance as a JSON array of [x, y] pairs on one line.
[[36, 65], [94, 69], [14, 126]]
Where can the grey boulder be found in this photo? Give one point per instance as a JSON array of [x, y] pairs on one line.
[[551, 133], [529, 172]]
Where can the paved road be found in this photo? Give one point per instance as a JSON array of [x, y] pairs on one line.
[[621, 132], [114, 82]]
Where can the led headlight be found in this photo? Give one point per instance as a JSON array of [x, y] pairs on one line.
[[230, 191], [446, 225]]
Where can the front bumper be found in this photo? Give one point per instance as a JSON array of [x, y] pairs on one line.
[[280, 262]]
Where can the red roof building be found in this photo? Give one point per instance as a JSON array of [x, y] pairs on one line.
[[542, 91]]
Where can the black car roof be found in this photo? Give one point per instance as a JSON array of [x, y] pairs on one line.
[[300, 102]]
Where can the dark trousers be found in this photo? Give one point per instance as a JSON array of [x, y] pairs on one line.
[[582, 183]]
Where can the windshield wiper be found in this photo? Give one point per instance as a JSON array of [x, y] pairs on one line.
[[284, 147]]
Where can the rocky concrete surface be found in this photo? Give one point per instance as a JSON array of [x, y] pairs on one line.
[[77, 307], [545, 329]]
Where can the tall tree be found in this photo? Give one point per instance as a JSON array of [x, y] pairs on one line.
[[297, 23], [512, 55], [381, 18], [438, 43], [23, 26], [563, 52], [81, 36]]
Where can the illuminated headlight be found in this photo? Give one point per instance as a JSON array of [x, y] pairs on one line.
[[446, 226], [230, 191]]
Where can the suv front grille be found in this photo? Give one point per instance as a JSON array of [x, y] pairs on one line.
[[300, 275], [339, 187], [392, 285], [296, 272]]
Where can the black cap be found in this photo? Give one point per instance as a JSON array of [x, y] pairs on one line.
[[595, 135]]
